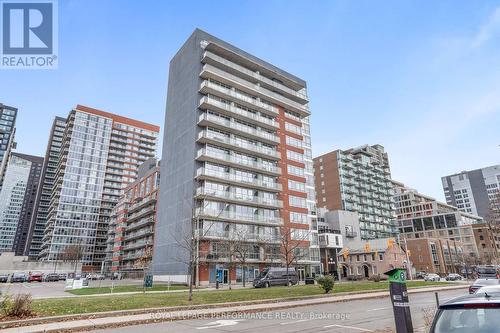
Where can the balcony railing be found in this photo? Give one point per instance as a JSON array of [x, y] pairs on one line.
[[237, 110], [257, 200], [241, 97], [227, 215], [252, 148], [297, 94], [210, 71], [231, 124], [239, 162], [238, 179]]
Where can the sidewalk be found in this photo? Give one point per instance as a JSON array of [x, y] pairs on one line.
[[127, 318]]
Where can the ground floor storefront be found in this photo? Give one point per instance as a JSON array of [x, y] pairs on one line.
[[210, 273]]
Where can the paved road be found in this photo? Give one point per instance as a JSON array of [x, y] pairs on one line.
[[55, 289], [373, 315]]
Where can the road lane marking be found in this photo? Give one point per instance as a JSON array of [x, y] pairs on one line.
[[350, 327], [219, 323], [294, 322], [377, 309]]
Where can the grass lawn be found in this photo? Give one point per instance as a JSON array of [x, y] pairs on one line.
[[61, 306], [122, 289]]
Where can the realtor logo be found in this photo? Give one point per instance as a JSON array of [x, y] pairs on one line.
[[29, 34]]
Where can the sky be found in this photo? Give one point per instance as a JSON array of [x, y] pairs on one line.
[[422, 78]]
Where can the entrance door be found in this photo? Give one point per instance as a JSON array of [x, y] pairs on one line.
[[302, 274], [344, 271], [366, 271], [225, 276]]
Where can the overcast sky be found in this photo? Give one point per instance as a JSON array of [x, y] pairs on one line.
[[422, 78]]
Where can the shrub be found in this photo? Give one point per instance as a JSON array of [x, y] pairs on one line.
[[19, 306], [376, 278], [326, 283]]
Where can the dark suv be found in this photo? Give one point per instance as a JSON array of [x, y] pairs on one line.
[[478, 313]]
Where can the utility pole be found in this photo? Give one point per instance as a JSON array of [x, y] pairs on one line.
[[408, 263]]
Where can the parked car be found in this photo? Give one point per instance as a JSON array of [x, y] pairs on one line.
[[95, 276], [4, 278], [454, 277], [63, 276], [490, 290], [432, 277], [487, 271], [35, 276], [18, 277], [276, 276], [420, 275], [51, 277], [470, 313], [481, 283]]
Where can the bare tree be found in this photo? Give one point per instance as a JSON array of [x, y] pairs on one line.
[[144, 260], [292, 247], [243, 250], [187, 237], [74, 254]]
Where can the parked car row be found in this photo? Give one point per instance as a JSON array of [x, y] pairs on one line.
[[32, 277], [437, 277]]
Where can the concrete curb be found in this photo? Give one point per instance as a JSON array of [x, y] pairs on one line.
[[73, 323]]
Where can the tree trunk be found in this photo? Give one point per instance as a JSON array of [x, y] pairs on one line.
[[229, 275], [244, 274], [190, 270]]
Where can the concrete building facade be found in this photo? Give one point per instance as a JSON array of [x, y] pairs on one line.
[[358, 180], [22, 240], [45, 189], [236, 161], [100, 155], [8, 116], [18, 180], [473, 191]]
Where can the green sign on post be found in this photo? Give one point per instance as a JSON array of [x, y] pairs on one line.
[[397, 275], [399, 300], [148, 280]]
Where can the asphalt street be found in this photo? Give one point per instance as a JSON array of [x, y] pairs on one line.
[[371, 315]]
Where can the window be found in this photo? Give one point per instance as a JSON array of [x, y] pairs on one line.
[[296, 171], [297, 201], [296, 186], [292, 155]]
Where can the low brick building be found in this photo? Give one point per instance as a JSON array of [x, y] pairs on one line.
[[436, 255], [485, 237]]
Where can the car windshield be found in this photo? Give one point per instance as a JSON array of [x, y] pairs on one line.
[[468, 320], [486, 270]]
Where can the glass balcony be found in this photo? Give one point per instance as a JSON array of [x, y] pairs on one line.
[[204, 192], [208, 102], [227, 215], [207, 87], [210, 155], [206, 118], [212, 72], [209, 57], [232, 143], [233, 178]]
